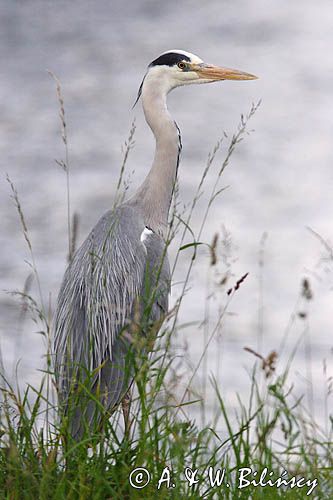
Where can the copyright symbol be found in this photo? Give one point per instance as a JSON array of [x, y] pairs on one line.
[[139, 478]]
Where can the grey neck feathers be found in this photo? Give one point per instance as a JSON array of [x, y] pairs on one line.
[[154, 195]]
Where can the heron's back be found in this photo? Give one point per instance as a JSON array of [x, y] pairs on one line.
[[115, 277]]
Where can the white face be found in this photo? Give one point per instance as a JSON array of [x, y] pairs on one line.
[[178, 67], [178, 74]]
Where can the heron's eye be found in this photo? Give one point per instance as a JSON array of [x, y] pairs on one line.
[[181, 65]]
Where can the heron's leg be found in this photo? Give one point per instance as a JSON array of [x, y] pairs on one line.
[[126, 407]]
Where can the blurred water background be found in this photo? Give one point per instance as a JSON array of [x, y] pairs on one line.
[[280, 180]]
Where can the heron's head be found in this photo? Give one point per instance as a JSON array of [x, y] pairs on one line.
[[175, 68]]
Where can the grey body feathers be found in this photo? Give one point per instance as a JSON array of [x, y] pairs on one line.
[[106, 280]]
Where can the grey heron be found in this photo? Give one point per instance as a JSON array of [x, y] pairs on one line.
[[105, 285]]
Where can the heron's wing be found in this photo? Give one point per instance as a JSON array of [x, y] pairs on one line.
[[98, 299]]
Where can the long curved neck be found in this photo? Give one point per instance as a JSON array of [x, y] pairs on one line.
[[155, 194]]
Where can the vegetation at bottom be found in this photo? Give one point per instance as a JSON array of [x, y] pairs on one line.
[[166, 454]]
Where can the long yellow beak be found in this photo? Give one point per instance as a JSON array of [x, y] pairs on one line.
[[215, 73]]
